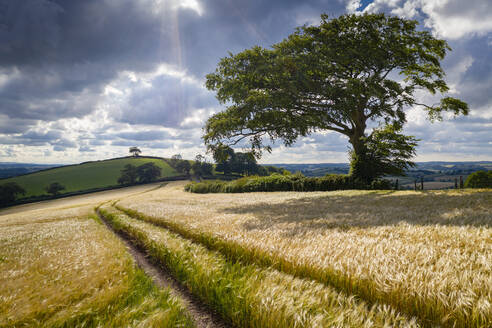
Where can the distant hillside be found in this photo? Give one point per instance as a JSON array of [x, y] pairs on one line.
[[316, 170], [84, 176], [436, 175], [8, 170]]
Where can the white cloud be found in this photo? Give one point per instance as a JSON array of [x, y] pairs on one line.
[[449, 19]]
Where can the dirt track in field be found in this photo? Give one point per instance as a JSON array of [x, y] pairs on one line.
[[202, 315]]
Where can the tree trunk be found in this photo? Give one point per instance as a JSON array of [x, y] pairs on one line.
[[361, 166]]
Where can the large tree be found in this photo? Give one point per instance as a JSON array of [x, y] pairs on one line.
[[345, 75]]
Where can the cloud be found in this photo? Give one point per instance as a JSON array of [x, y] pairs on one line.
[[164, 97], [143, 135], [84, 79], [450, 19]]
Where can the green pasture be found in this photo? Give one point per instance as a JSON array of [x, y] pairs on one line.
[[84, 176]]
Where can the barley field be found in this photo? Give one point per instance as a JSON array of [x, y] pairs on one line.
[[251, 296], [284, 259], [61, 267], [426, 254]]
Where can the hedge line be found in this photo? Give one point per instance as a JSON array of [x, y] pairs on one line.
[[277, 182]]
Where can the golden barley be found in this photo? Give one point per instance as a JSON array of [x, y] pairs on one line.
[[59, 268], [427, 253], [250, 296]]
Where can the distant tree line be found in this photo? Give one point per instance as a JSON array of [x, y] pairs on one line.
[[229, 161], [200, 167], [10, 191], [144, 173]]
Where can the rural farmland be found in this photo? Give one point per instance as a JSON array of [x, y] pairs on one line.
[[138, 184], [84, 176], [279, 259]]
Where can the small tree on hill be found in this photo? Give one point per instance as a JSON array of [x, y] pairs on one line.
[[9, 192], [135, 151], [148, 172], [54, 188], [129, 175]]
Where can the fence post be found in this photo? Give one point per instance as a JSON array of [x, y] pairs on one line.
[[455, 183], [421, 183], [396, 184], [461, 182], [415, 185]]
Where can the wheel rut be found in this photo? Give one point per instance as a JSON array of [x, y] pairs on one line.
[[202, 315]]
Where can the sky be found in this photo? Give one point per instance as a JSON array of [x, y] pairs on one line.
[[86, 80]]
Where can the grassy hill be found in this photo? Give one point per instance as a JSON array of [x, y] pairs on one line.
[[89, 175]]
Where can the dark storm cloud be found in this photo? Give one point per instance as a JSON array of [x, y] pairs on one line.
[[12, 126], [167, 102], [53, 138], [56, 56], [229, 25], [476, 83]]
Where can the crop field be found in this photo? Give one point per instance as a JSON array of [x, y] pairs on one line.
[[84, 176], [61, 267], [279, 259], [424, 254], [251, 296]]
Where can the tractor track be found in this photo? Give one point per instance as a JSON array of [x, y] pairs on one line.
[[202, 315]]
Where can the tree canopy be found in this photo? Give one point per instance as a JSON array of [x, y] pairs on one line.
[[340, 76], [148, 172], [479, 179], [9, 192], [129, 175], [201, 167], [175, 159], [183, 166], [229, 161], [144, 173]]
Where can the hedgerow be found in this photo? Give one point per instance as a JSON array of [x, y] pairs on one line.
[[277, 182]]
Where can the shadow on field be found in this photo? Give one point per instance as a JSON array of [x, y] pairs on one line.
[[369, 210]]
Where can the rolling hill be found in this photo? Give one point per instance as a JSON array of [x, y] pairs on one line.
[[84, 176]]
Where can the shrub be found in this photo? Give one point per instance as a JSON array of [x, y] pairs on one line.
[[479, 179], [54, 188], [381, 184], [204, 187]]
